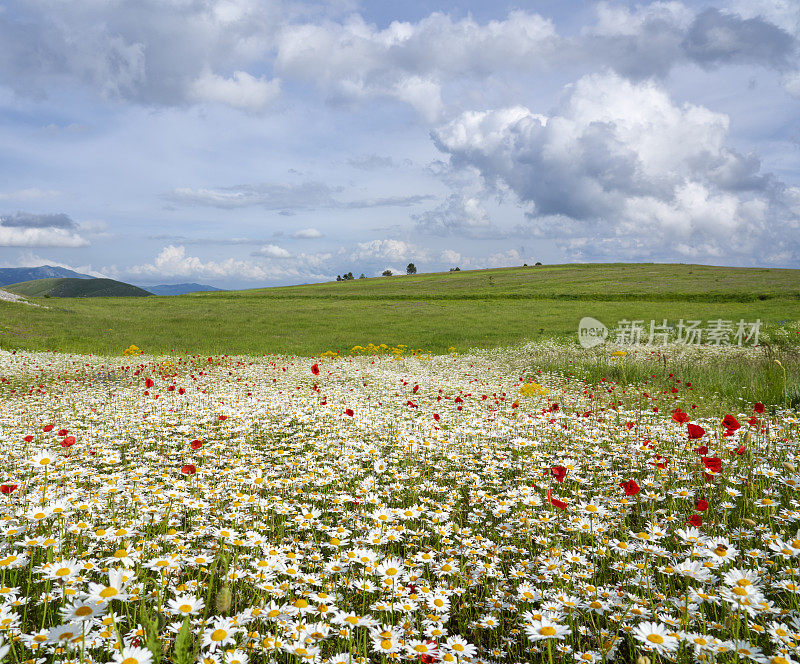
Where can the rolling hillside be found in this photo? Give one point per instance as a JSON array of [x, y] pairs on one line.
[[480, 308], [76, 288]]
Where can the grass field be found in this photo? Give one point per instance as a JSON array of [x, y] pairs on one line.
[[437, 312], [485, 308]]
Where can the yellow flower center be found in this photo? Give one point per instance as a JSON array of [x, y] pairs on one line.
[[655, 638], [218, 634], [547, 630]]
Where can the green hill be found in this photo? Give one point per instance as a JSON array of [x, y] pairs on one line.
[[76, 288], [607, 281], [479, 308]]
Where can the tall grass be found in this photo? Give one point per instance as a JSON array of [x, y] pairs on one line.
[[722, 378]]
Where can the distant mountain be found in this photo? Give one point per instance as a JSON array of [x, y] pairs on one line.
[[179, 289], [15, 275], [79, 287]]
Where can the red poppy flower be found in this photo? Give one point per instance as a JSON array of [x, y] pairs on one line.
[[28, 439], [759, 407], [181, 390], [630, 487], [5, 489], [47, 427], [436, 417], [696, 520], [349, 412], [702, 450], [222, 418], [148, 383], [69, 441], [679, 416], [63, 432], [695, 431], [701, 504], [738, 450], [416, 387], [731, 423], [315, 369], [188, 469], [196, 444], [558, 473], [712, 463], [560, 504], [753, 421]]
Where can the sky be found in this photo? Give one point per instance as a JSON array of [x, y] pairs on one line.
[[248, 143]]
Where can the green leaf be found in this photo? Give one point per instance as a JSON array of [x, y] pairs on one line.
[[183, 651]]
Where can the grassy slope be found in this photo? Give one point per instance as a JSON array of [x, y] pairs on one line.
[[69, 287], [430, 311]]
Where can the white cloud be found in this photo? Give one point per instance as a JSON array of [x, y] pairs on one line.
[[458, 215], [272, 251], [33, 236], [241, 91], [619, 160], [410, 61], [389, 250], [450, 256], [172, 261], [307, 234]]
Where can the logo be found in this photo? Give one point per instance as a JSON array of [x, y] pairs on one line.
[[591, 332]]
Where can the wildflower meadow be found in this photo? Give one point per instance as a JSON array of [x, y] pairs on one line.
[[388, 505]]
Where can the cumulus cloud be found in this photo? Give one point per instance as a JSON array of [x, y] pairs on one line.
[[414, 62], [241, 91], [621, 161], [272, 251], [387, 250], [172, 261], [175, 53], [458, 215], [650, 39], [24, 229], [717, 37], [148, 52], [409, 61]]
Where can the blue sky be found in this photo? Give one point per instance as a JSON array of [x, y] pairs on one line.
[[265, 142]]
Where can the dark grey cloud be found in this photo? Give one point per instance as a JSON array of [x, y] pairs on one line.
[[716, 37], [28, 220]]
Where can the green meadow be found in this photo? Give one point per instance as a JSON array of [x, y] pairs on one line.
[[437, 312], [433, 312]]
